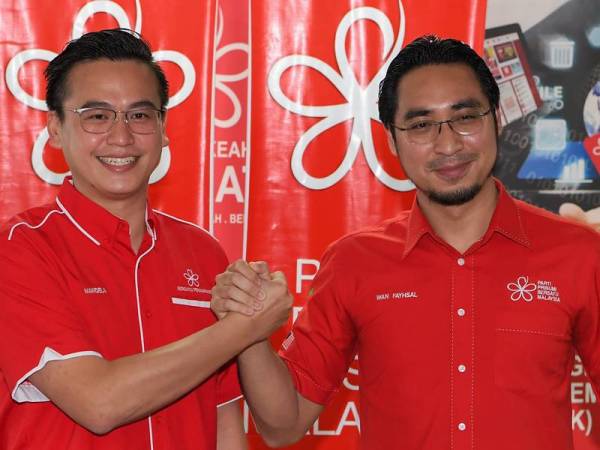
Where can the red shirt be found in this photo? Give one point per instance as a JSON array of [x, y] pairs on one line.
[[71, 285], [457, 351]]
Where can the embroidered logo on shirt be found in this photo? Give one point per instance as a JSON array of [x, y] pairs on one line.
[[94, 290], [193, 283], [522, 289], [525, 290], [191, 278], [403, 295]]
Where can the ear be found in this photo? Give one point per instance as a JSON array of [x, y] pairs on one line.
[[393, 147], [54, 126]]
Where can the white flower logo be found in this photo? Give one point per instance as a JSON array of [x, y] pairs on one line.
[[191, 278], [360, 106], [522, 289], [84, 14], [222, 79]]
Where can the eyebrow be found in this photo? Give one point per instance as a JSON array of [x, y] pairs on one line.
[[461, 104], [134, 105], [411, 114], [467, 103]]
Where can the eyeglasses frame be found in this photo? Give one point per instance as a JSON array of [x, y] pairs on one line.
[[449, 122], [80, 111]]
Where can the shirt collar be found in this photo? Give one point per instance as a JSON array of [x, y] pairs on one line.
[[506, 220], [92, 220], [418, 226]]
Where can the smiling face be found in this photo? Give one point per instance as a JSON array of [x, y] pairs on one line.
[[452, 169], [115, 165]]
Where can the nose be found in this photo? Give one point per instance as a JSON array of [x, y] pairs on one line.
[[448, 141], [120, 134]]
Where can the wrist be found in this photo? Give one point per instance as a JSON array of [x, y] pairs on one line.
[[242, 327]]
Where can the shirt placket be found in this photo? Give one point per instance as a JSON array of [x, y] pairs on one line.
[[462, 370], [147, 322]]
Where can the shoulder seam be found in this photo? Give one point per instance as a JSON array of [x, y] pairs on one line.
[[380, 227], [177, 219], [33, 227], [74, 222]]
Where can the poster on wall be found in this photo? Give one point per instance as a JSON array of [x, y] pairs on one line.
[[550, 148], [546, 59]]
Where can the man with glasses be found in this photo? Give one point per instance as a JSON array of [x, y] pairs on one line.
[[108, 341], [465, 311]]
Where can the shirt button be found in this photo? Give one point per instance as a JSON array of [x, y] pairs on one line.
[[461, 312], [462, 426], [148, 314], [461, 261], [462, 368]]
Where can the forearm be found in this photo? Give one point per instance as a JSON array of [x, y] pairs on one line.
[[146, 382], [230, 428], [106, 394], [270, 392], [280, 413]]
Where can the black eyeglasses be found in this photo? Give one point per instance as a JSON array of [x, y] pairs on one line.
[[424, 131], [100, 120]]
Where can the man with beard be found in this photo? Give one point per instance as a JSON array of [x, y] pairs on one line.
[[464, 310]]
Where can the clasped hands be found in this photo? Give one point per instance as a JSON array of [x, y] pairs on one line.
[[251, 290]]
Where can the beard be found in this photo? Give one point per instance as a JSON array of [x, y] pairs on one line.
[[454, 198], [461, 195]]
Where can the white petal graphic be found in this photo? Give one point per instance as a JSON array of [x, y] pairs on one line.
[[221, 80], [83, 15], [360, 102], [522, 289]]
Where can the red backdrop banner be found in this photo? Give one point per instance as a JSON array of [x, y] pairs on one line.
[[230, 126], [319, 163], [271, 101], [181, 35]]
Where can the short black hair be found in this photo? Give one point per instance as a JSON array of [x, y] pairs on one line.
[[431, 50], [116, 45]]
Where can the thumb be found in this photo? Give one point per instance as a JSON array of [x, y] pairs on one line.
[[261, 268]]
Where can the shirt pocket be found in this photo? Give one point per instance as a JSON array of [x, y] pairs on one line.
[[533, 352], [191, 312]]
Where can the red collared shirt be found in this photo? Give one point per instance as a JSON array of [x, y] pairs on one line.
[[456, 351], [71, 285]]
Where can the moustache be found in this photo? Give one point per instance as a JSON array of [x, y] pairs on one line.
[[451, 161]]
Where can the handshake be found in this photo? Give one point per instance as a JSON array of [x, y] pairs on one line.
[[251, 290]]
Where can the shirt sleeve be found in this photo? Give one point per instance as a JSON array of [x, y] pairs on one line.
[[587, 325], [37, 321], [322, 342]]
